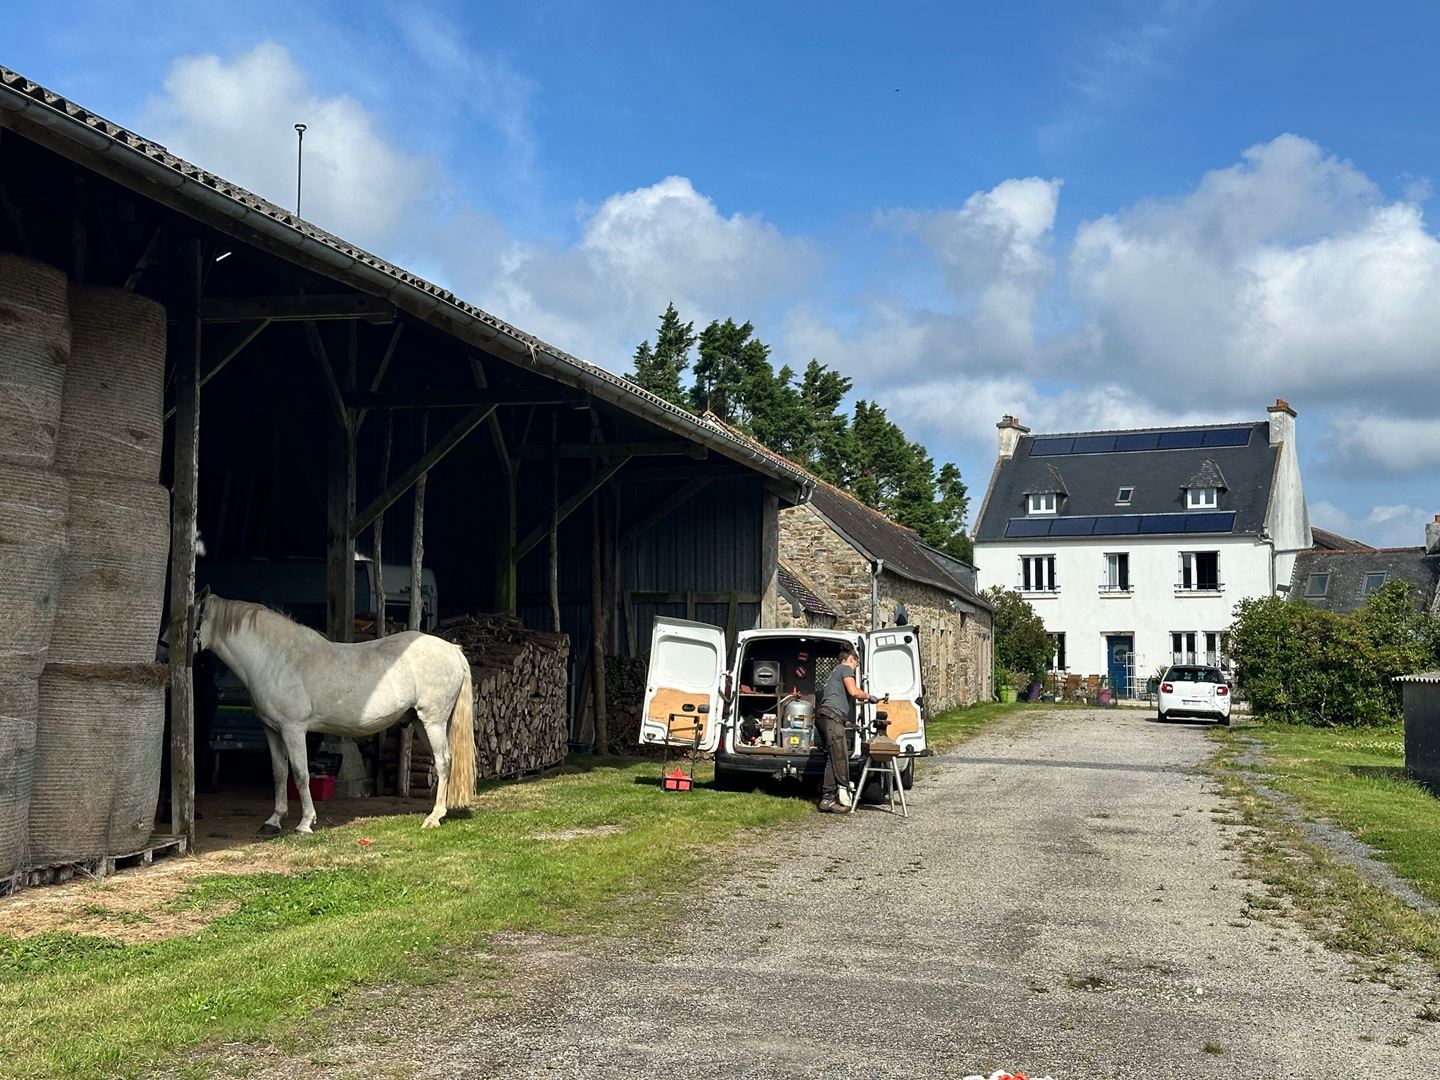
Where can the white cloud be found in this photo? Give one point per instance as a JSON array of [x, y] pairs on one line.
[[236, 118], [1395, 444], [1386, 525]]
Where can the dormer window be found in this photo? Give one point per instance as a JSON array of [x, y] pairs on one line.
[[1042, 503], [1201, 498], [1124, 495]]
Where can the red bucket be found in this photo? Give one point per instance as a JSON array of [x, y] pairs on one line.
[[322, 788]]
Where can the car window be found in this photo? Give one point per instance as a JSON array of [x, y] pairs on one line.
[[1191, 674]]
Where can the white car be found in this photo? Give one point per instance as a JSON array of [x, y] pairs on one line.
[[1194, 690]]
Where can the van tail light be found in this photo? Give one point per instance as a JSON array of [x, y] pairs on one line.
[[1222, 690], [1166, 688]]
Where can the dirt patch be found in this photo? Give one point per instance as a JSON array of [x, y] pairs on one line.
[[578, 834]]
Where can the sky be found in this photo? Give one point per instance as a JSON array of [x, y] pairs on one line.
[[1090, 216]]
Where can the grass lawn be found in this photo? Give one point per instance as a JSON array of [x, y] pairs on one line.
[[251, 955], [553, 856], [1355, 779]]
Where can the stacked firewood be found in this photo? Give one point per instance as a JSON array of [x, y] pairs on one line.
[[521, 719], [624, 701]]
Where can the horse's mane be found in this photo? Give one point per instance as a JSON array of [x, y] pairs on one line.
[[227, 616]]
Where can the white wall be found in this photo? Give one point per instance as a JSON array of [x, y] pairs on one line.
[[1153, 608]]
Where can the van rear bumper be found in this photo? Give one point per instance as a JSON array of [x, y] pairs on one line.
[[805, 767]]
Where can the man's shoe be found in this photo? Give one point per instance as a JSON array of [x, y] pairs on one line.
[[827, 806]]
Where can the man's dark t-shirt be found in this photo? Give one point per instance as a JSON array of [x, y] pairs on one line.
[[836, 698]]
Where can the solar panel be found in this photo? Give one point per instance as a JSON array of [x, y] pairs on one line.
[[1041, 447], [1147, 440], [1228, 437], [1027, 527], [1197, 523], [1162, 523], [1181, 440], [1117, 525], [1072, 526], [1094, 444]]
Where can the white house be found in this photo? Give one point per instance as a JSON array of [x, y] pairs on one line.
[[1135, 546]]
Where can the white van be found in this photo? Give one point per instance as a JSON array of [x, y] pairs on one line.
[[693, 699]]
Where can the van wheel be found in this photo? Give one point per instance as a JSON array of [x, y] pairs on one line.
[[732, 780], [907, 776]]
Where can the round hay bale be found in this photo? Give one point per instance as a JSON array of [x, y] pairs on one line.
[[96, 775], [33, 504], [112, 580], [34, 348], [112, 420], [17, 764], [19, 694]]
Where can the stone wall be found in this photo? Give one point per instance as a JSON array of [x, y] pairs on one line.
[[955, 650]]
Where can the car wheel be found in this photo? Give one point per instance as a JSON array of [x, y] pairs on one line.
[[907, 776], [1160, 716], [1225, 720], [732, 780]]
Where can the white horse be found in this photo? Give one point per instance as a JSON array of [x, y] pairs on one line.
[[299, 682]]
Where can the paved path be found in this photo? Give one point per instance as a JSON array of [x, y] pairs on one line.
[[1062, 900]]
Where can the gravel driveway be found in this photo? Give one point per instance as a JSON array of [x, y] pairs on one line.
[[1063, 900]]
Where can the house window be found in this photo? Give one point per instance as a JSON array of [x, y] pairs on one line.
[[1200, 571], [1037, 573], [1057, 652], [1117, 572], [1044, 503], [1375, 580], [1201, 498], [1212, 647], [1317, 585], [1124, 495], [1182, 646]]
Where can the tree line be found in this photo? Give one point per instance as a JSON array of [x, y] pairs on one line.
[[800, 416]]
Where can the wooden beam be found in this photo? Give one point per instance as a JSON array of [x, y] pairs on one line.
[[339, 533], [427, 461], [221, 348], [597, 628], [569, 506], [497, 433], [380, 371], [185, 493], [439, 399], [147, 258], [339, 412], [554, 532], [297, 308], [662, 510], [614, 450], [417, 598], [720, 470]]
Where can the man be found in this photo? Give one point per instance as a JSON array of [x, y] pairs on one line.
[[836, 713]]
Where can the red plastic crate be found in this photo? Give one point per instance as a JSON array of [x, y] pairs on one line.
[[322, 788], [675, 781]]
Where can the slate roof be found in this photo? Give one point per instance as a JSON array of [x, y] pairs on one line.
[[1207, 476], [150, 169], [1333, 541], [1347, 570], [1050, 484], [804, 594], [1094, 472], [872, 533]]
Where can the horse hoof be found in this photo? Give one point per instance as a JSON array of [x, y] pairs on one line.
[[429, 824], [269, 830], [303, 830]]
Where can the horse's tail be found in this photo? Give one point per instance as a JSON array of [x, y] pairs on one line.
[[460, 791]]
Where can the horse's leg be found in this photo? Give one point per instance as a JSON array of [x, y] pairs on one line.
[[437, 732], [294, 736], [278, 769]]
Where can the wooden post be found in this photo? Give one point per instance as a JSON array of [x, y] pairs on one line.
[[377, 542], [597, 629], [417, 600], [339, 544], [554, 529], [769, 561], [185, 493], [505, 598]]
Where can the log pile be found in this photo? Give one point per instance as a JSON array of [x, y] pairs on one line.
[[521, 718], [624, 701]]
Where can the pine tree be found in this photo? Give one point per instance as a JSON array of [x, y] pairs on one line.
[[659, 369]]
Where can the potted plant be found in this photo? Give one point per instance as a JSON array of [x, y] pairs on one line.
[[1005, 684]]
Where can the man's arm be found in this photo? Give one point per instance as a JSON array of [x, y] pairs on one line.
[[853, 689]]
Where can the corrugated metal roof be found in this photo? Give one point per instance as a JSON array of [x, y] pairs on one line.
[[150, 169], [1430, 677]]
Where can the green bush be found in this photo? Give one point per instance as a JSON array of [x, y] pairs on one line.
[[1022, 647], [1310, 666]]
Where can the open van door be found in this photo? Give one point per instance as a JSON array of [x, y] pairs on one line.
[[682, 686], [892, 666]]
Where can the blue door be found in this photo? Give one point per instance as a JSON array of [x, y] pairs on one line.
[[1118, 648]]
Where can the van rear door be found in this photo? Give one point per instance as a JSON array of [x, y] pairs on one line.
[[892, 664], [682, 686]]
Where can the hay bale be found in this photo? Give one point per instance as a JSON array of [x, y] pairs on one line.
[[112, 418], [34, 348], [97, 761], [33, 504], [17, 764], [112, 581]]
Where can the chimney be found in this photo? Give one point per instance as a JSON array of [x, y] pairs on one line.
[[1432, 536], [1010, 431], [1282, 422]]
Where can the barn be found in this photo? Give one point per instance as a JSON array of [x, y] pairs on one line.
[[195, 381]]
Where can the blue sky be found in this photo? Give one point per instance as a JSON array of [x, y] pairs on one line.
[[1090, 215]]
